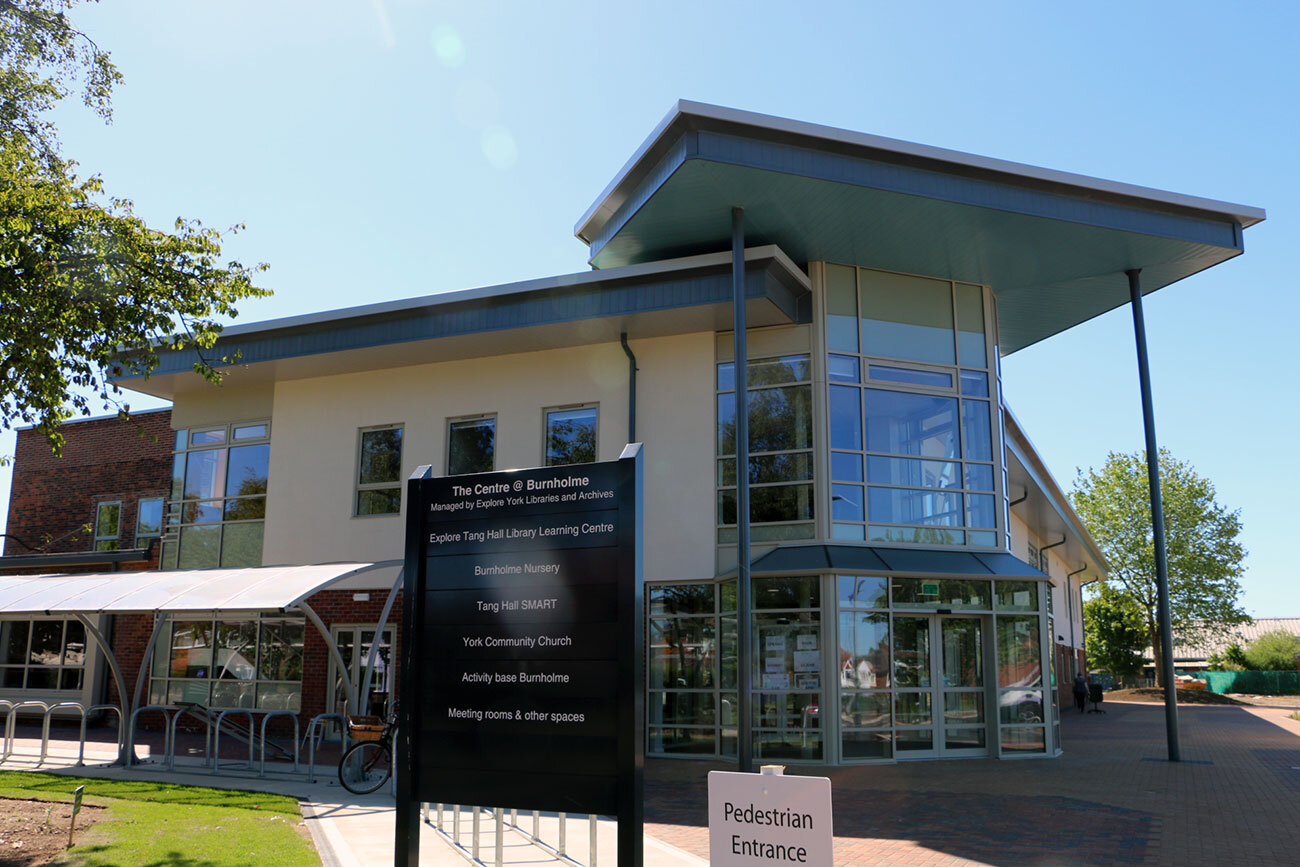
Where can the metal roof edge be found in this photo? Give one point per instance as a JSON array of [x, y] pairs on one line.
[[684, 111], [561, 281], [74, 558], [1018, 442]]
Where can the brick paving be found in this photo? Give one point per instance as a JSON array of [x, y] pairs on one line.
[[1111, 799]]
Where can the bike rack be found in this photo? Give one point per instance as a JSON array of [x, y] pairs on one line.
[[207, 736], [318, 721], [292, 715], [471, 853], [12, 719], [45, 727], [166, 710], [121, 730], [216, 752], [8, 707]]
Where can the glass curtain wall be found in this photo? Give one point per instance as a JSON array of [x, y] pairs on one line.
[[217, 510], [912, 400], [781, 501]]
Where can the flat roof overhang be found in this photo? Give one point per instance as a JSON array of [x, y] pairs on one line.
[[651, 299], [1053, 246]]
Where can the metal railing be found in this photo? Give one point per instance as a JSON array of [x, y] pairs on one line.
[[473, 851], [317, 725]]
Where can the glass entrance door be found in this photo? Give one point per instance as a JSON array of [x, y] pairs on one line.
[[939, 698], [354, 644]]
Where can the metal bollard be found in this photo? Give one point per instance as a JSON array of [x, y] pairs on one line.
[[455, 828], [440, 816], [591, 846], [499, 815], [537, 818], [560, 849], [514, 817]]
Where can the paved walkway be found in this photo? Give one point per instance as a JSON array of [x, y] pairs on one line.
[[1111, 799]]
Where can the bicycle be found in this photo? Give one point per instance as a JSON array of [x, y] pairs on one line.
[[368, 763]]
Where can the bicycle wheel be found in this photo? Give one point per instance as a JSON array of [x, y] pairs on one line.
[[365, 767]]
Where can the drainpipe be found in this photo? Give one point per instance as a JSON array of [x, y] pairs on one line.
[[1069, 598], [631, 388]]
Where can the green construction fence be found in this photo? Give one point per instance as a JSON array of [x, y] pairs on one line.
[[1252, 682]]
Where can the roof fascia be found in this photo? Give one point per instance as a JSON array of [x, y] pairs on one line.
[[695, 115]]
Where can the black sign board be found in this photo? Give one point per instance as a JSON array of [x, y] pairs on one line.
[[522, 678]]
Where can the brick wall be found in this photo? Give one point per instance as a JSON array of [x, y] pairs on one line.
[[53, 498]]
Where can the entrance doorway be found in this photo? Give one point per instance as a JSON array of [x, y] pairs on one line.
[[941, 686], [354, 644]]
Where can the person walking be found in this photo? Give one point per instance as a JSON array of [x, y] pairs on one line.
[[1080, 692]]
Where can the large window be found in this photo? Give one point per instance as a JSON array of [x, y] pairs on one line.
[[787, 672], [691, 665], [911, 401], [570, 435], [379, 471], [148, 520], [108, 525], [471, 445], [218, 503], [780, 449], [230, 662], [42, 654]]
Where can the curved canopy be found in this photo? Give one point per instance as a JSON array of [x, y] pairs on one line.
[[264, 588]]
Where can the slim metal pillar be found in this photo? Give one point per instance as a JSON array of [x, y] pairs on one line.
[[1157, 520], [744, 594]]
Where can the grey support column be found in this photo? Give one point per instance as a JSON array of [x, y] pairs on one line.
[[744, 593], [1157, 520]]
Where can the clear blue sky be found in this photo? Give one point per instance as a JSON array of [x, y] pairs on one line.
[[381, 149]]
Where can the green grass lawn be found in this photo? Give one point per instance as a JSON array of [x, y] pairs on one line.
[[154, 824]]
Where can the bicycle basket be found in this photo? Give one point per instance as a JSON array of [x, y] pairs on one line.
[[365, 728]]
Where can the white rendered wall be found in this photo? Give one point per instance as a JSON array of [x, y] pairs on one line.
[[314, 441]]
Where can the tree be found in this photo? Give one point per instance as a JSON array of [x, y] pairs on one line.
[[1115, 632], [1202, 543], [88, 291], [1273, 651]]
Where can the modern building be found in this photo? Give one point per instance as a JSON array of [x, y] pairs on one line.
[[916, 569]]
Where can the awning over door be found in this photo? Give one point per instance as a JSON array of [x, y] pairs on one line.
[[264, 588], [875, 558]]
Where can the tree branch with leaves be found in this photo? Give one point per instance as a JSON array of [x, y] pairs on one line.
[[88, 291]]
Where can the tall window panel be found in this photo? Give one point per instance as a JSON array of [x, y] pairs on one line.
[[379, 471], [781, 499], [148, 520], [471, 445], [571, 435], [42, 654], [217, 510], [108, 525], [911, 397]]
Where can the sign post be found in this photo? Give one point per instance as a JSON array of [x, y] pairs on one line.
[[769, 819], [522, 675], [76, 808]]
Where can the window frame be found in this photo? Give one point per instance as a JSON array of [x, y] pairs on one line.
[[594, 406], [478, 416], [88, 659], [116, 538], [358, 486], [162, 519]]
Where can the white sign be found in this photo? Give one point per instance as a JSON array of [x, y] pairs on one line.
[[807, 660], [769, 819], [775, 642], [806, 642]]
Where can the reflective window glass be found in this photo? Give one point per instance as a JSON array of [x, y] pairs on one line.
[[843, 368], [846, 417], [975, 427], [975, 383], [682, 599], [911, 424], [571, 436], [846, 503], [1019, 663], [841, 308], [205, 474], [906, 317], [909, 376], [381, 456], [787, 592], [911, 651], [1017, 595], [846, 467], [863, 591], [979, 477], [970, 324], [913, 473], [471, 446], [904, 506], [941, 593], [249, 432]]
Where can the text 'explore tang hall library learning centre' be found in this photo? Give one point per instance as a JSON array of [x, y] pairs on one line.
[[602, 560]]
